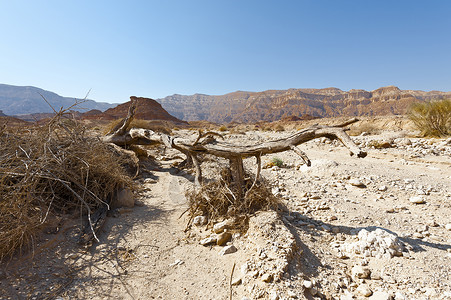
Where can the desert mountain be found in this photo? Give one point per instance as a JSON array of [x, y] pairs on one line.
[[19, 100], [147, 109], [274, 105]]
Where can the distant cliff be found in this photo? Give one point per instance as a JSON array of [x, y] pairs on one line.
[[20, 100], [274, 105]]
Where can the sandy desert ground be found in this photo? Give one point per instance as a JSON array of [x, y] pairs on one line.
[[352, 228]]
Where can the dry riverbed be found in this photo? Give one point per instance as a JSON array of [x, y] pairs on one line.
[[372, 228]]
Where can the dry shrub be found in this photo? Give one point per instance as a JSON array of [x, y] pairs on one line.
[[218, 199], [50, 170], [223, 128], [279, 128], [432, 118]]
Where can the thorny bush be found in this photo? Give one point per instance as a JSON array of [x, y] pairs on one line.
[[432, 118], [48, 170], [217, 200]]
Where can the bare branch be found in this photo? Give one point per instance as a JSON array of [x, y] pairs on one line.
[[302, 155]]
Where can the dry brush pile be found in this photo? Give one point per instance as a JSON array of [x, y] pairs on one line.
[[56, 168], [218, 199]]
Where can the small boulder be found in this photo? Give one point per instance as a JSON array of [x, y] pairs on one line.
[[356, 182], [267, 277], [380, 295], [360, 272], [363, 290], [223, 238], [228, 250], [209, 240], [221, 226], [417, 200]]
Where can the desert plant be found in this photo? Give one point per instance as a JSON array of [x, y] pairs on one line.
[[432, 118], [49, 170], [279, 128], [223, 128], [217, 200], [276, 161]]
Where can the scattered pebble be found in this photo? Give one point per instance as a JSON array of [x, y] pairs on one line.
[[307, 284], [363, 290], [360, 272], [221, 226], [417, 200], [356, 182], [237, 281]]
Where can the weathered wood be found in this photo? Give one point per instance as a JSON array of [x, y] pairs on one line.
[[196, 163], [237, 171], [207, 144], [227, 150]]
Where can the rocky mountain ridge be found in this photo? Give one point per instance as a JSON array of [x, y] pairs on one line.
[[274, 105], [21, 100]]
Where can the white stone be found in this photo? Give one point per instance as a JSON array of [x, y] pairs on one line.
[[274, 296], [382, 188], [360, 272], [448, 226], [307, 284], [209, 240], [380, 295], [363, 290], [228, 250], [219, 227], [356, 182], [417, 199], [199, 220]]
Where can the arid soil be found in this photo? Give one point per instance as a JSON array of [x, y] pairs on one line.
[[372, 228]]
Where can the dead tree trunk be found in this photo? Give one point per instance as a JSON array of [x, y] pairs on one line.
[[237, 172], [207, 144]]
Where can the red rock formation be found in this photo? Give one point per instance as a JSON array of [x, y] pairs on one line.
[[147, 109]]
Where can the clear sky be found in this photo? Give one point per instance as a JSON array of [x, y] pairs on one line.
[[158, 48]]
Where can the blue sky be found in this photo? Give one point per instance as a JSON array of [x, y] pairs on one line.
[[157, 48]]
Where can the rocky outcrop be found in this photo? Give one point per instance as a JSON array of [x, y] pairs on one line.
[[147, 109], [275, 105]]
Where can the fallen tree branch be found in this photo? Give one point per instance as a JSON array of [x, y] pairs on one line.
[[234, 153], [302, 155]]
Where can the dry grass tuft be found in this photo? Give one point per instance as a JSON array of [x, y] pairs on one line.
[[49, 170], [217, 200]]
